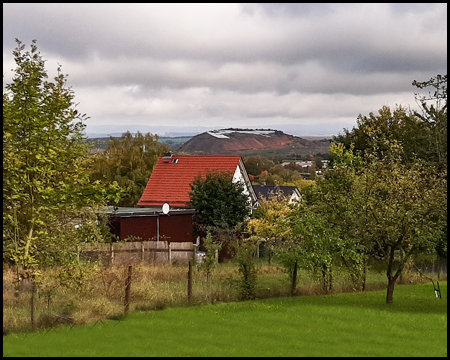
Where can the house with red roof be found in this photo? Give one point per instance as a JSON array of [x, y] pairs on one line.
[[170, 183], [172, 176]]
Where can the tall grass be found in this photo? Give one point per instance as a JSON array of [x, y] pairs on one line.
[[346, 324], [92, 292]]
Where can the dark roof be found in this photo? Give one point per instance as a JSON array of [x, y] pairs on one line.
[[136, 211], [271, 190]]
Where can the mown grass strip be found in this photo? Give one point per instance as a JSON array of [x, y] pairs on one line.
[[350, 324]]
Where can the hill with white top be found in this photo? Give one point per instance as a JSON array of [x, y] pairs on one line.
[[253, 142]]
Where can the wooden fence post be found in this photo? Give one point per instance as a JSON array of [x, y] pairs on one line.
[[32, 304], [142, 251], [112, 253], [190, 281], [128, 289], [170, 252]]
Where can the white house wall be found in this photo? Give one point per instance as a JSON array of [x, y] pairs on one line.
[[239, 176]]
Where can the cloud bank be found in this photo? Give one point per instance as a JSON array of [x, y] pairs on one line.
[[304, 67]]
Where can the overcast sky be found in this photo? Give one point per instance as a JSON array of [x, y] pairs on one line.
[[306, 69]]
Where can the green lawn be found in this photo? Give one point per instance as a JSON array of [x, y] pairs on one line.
[[350, 324]]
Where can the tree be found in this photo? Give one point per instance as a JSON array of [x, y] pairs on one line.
[[270, 224], [210, 260], [299, 237], [128, 160], [377, 131], [219, 202], [45, 162], [422, 134], [394, 209], [244, 255], [257, 164], [434, 116]]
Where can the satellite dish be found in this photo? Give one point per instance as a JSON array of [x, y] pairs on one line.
[[165, 208]]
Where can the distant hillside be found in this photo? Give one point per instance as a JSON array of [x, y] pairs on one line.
[[248, 142], [101, 143]]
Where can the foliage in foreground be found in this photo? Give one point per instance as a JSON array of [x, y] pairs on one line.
[[46, 185]]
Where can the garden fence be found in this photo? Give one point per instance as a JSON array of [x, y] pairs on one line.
[[151, 252]]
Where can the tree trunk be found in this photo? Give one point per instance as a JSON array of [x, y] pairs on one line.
[[327, 278], [330, 279], [391, 283], [364, 275], [393, 274], [390, 289], [294, 278], [324, 279]]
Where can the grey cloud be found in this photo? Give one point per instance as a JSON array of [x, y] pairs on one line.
[[290, 9], [81, 30], [150, 76], [231, 61]]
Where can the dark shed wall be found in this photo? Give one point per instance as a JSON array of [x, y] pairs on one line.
[[171, 227], [176, 227], [142, 226]]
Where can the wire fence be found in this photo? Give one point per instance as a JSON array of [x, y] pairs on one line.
[[138, 276]]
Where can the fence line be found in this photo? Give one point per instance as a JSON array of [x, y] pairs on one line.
[[152, 252]]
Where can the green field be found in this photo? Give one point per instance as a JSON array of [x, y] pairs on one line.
[[347, 324]]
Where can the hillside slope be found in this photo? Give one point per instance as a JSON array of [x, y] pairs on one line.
[[266, 142]]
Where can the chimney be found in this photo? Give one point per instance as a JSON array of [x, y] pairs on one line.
[[167, 158]]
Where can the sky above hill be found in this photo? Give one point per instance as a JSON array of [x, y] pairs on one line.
[[306, 69]]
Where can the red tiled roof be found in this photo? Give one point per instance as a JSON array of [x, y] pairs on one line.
[[171, 177]]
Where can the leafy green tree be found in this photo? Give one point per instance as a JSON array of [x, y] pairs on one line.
[[244, 255], [270, 224], [334, 199], [129, 161], [405, 213], [267, 178], [45, 163], [219, 202], [300, 238], [392, 209], [286, 173], [319, 243], [257, 164], [434, 116], [422, 134], [376, 132], [210, 260]]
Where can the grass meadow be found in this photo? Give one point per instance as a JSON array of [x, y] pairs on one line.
[[343, 324], [92, 292]]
